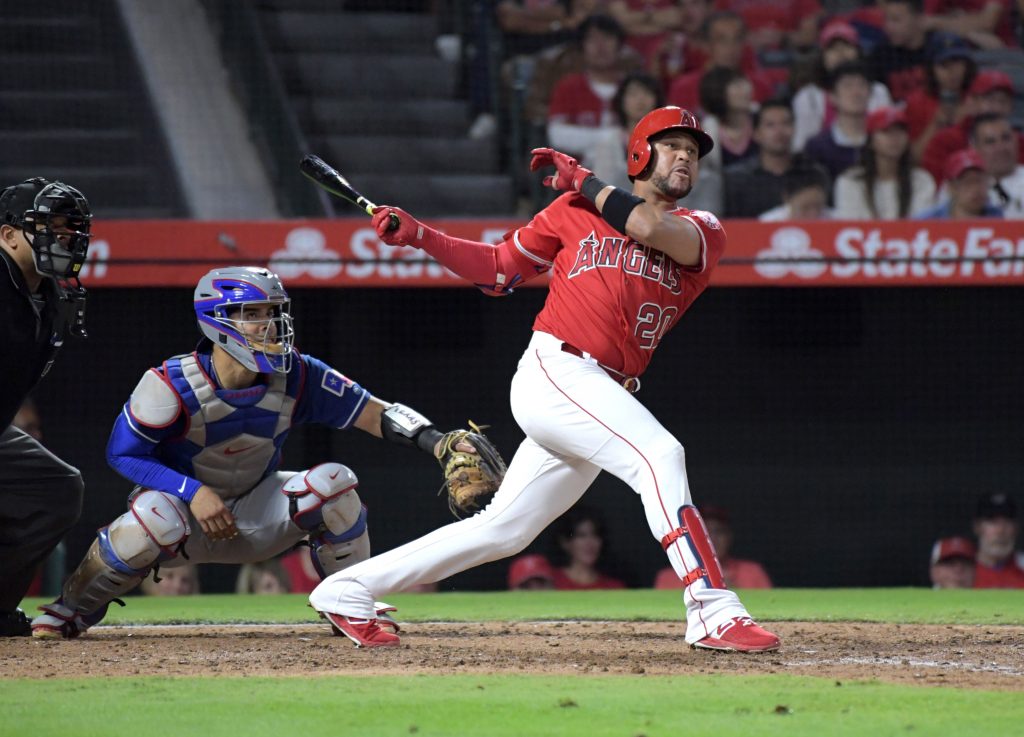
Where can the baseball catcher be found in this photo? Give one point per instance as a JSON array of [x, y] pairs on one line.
[[201, 437]]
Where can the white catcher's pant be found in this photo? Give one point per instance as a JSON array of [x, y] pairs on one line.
[[265, 528], [578, 422]]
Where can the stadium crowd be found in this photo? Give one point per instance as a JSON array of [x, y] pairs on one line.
[[894, 109]]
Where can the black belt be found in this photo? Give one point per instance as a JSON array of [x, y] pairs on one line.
[[630, 383]]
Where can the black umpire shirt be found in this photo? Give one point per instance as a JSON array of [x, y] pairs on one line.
[[27, 334]]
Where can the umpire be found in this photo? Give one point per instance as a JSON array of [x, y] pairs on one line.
[[44, 237]]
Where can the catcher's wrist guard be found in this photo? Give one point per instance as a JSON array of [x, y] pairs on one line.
[[406, 426]]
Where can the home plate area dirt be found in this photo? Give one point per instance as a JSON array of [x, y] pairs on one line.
[[984, 657]]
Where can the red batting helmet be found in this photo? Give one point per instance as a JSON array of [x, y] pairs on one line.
[[638, 155]]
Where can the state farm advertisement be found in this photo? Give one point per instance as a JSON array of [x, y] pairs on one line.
[[347, 253]]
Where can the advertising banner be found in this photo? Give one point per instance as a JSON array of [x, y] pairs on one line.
[[347, 253]]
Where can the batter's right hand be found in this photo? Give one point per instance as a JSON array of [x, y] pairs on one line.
[[407, 233], [216, 519]]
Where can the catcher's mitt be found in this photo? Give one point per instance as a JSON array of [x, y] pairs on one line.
[[471, 478]]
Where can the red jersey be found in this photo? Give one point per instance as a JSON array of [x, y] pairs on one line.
[[573, 101], [920, 110], [785, 15], [950, 140], [611, 296], [1010, 576]]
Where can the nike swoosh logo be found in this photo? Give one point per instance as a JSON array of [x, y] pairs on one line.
[[233, 451], [335, 474], [182, 489], [157, 513]]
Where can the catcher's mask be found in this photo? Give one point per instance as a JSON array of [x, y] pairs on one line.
[[245, 310], [55, 219], [639, 152]]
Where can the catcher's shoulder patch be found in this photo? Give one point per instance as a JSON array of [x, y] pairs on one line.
[[335, 382]]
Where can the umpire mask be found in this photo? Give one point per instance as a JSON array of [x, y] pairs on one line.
[[56, 224]]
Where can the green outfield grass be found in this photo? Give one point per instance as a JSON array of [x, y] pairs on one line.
[[922, 606], [500, 706], [522, 705]]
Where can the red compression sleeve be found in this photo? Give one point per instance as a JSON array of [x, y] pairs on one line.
[[493, 269]]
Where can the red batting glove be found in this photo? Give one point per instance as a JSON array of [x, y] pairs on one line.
[[408, 232], [569, 174]]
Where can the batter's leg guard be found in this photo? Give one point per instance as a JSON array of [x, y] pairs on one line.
[[153, 530], [692, 530], [323, 500]]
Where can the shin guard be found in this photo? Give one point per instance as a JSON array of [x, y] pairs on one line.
[[692, 530]]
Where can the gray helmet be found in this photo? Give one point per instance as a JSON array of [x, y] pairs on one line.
[[221, 298]]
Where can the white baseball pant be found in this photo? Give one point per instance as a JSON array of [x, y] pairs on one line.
[[578, 422]]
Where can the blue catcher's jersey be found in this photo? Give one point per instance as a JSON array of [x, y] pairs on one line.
[[180, 430]]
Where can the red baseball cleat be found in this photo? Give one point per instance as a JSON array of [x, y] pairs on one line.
[[741, 635], [363, 632], [384, 616]]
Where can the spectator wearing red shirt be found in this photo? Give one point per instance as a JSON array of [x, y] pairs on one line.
[[739, 573], [581, 103], [776, 24], [998, 564], [901, 61], [942, 102], [990, 92], [725, 36], [580, 539], [952, 563], [988, 23]]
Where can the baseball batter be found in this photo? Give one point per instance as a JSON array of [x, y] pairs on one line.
[[201, 436], [625, 267]]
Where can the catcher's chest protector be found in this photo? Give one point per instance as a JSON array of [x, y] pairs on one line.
[[229, 447]]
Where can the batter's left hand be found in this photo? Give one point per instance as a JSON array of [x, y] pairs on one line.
[[408, 230], [570, 174]]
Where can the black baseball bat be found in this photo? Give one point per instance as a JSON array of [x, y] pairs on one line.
[[326, 176]]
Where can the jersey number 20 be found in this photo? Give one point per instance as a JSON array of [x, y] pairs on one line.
[[652, 322]]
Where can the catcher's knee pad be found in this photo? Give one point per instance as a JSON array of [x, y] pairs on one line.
[[154, 529], [692, 530], [323, 501]]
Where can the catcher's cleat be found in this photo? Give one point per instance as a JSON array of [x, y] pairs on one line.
[[363, 632], [58, 622], [14, 624], [741, 635]]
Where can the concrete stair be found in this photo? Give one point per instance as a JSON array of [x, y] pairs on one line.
[[78, 111], [374, 99]]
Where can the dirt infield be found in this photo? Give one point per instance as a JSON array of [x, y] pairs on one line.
[[961, 656]]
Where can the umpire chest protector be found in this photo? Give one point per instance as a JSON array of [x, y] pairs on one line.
[[233, 444]]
